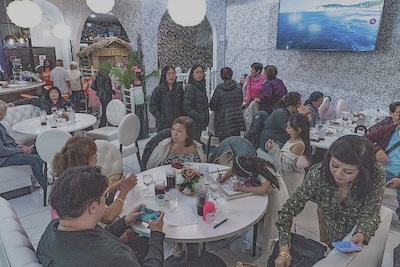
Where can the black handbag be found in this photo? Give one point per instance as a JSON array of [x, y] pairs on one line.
[[304, 251]]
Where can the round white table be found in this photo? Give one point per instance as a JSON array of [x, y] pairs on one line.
[[242, 213], [329, 139], [33, 127]]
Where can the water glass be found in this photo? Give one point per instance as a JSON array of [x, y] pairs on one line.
[[147, 180], [204, 170]]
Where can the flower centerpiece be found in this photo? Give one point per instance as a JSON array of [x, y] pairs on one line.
[[61, 116], [187, 180]]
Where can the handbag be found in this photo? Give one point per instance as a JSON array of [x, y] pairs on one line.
[[305, 252]]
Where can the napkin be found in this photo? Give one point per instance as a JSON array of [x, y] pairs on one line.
[[181, 217]]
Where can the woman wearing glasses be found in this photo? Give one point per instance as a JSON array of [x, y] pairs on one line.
[[195, 100]]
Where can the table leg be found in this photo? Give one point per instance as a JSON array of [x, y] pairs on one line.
[[255, 228]]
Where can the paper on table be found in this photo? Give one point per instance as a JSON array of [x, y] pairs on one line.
[[181, 217]]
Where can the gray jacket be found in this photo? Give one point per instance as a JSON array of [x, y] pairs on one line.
[[8, 146]]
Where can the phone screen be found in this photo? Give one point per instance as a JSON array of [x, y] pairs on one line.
[[149, 214], [346, 246]]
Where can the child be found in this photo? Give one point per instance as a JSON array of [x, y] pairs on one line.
[[293, 157]]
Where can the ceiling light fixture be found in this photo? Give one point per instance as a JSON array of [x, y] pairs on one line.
[[25, 13], [100, 6], [187, 13]]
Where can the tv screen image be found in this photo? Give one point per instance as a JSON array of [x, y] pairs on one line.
[[343, 25]]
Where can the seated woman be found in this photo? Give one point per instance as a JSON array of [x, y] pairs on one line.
[[180, 147], [82, 150], [275, 126], [313, 103], [260, 172], [52, 98], [348, 189], [294, 156]]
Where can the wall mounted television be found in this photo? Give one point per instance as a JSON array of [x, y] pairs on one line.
[[340, 25]]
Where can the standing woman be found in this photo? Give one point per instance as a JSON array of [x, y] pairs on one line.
[[195, 101], [47, 67], [226, 102], [273, 90], [254, 83], [166, 99], [348, 189], [313, 103]]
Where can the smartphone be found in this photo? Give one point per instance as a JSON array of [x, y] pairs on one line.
[[148, 215], [346, 246]]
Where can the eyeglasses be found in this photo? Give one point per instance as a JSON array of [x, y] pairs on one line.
[[106, 194], [198, 72]]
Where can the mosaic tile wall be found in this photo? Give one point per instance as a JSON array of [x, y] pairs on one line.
[[365, 79]]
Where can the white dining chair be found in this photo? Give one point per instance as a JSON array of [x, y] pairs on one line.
[[47, 145], [341, 106], [115, 111], [109, 158], [128, 133]]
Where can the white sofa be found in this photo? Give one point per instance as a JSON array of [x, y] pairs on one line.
[[371, 255], [16, 249], [17, 177]]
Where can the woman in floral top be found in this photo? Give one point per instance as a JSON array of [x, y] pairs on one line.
[[348, 188]]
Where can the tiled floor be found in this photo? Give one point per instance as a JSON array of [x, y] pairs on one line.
[[34, 217]]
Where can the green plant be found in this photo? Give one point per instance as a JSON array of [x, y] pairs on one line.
[[132, 73]]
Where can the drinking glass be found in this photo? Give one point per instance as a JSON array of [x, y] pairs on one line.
[[54, 110], [159, 186], [204, 170], [147, 180], [215, 189]]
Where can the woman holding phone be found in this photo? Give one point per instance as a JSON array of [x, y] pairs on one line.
[[348, 189]]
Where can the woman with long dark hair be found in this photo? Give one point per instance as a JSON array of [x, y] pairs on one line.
[[294, 156], [313, 103], [348, 189], [275, 126], [166, 99], [195, 100]]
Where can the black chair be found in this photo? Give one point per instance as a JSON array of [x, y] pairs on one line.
[[360, 127]]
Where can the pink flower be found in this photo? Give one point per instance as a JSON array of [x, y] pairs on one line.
[[137, 82]]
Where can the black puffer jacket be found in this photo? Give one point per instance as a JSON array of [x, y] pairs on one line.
[[226, 102], [195, 104], [166, 105]]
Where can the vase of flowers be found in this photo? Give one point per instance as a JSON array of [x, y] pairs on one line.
[[187, 180]]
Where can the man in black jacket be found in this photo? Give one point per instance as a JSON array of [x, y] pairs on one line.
[[75, 239]]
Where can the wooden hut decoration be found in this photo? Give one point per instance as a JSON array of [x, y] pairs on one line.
[[111, 50]]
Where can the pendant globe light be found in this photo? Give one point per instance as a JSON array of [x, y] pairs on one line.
[[25, 13], [62, 31], [100, 6], [187, 13]]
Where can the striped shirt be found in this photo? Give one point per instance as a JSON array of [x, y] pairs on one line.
[[59, 77]]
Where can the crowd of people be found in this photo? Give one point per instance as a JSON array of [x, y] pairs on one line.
[[347, 185]]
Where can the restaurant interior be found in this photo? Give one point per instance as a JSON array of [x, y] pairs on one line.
[[355, 60]]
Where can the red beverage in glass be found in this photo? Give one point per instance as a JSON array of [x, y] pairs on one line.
[[160, 190], [159, 187], [200, 204]]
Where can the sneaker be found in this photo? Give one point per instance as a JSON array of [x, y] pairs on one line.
[[36, 184]]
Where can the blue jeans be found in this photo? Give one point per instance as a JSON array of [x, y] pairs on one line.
[[76, 99], [389, 176], [33, 160], [256, 127]]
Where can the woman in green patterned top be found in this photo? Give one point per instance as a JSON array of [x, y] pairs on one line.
[[348, 188]]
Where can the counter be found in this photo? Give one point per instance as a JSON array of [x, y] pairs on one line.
[[12, 92]]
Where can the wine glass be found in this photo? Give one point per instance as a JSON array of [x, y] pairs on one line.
[[54, 110], [215, 189], [147, 180]]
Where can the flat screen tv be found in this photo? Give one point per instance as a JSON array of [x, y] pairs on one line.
[[342, 25]]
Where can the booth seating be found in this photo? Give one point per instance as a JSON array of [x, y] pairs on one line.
[[17, 177], [16, 250]]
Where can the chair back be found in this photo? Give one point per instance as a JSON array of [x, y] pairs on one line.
[[341, 106], [128, 129], [51, 142], [110, 159], [115, 111], [362, 128]]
